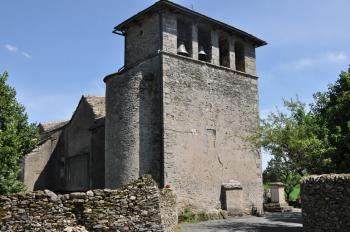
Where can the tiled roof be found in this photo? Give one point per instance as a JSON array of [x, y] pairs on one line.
[[97, 104], [50, 126]]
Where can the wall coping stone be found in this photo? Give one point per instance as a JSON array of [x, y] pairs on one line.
[[325, 178], [232, 185]]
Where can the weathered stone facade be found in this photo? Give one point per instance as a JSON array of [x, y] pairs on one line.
[[326, 203], [180, 110], [71, 154], [208, 111], [139, 206], [133, 125], [35, 172], [180, 118]]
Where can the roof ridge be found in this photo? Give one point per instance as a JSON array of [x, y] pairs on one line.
[[258, 42]]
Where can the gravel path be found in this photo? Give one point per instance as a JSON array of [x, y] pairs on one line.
[[271, 222]]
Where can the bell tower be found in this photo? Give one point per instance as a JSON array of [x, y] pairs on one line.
[[181, 106]]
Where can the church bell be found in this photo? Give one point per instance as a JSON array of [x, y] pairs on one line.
[[201, 51], [181, 49]]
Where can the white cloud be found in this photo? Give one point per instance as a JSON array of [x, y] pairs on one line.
[[317, 60], [302, 63], [10, 48], [26, 55], [337, 57], [14, 49]]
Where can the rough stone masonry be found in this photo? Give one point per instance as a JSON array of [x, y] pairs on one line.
[[326, 203], [182, 117], [180, 109], [139, 206]]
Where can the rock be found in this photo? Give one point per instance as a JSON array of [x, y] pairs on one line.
[[21, 211], [77, 195], [75, 229], [52, 196], [137, 207], [232, 185], [144, 212], [90, 193], [87, 210], [224, 214]]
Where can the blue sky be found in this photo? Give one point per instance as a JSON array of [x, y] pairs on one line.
[[56, 51]]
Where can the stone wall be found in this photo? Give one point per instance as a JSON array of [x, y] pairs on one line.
[[326, 202], [97, 154], [34, 174], [139, 206], [169, 42], [70, 156], [209, 111], [142, 39], [133, 124]]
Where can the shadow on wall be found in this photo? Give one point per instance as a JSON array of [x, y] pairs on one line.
[[223, 199], [51, 176], [150, 126]]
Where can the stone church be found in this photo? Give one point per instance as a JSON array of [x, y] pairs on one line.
[[180, 109]]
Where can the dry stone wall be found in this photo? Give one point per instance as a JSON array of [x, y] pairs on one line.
[[326, 202], [139, 206]]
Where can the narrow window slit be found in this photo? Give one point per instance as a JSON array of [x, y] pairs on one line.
[[224, 51], [239, 57]]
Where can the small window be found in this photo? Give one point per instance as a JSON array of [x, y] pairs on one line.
[[239, 56], [204, 44], [184, 38], [224, 51]]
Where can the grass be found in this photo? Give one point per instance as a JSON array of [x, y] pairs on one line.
[[188, 216], [295, 193]]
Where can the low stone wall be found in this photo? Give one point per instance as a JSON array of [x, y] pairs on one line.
[[168, 210], [139, 206], [325, 202]]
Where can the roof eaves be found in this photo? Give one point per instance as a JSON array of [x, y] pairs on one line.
[[121, 27]]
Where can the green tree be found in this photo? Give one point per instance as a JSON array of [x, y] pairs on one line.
[[17, 137], [279, 170], [292, 138], [331, 110]]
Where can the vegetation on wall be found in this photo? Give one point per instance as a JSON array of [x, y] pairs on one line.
[[17, 137]]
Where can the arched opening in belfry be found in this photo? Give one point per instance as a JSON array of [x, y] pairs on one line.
[[204, 44], [184, 38], [224, 51], [239, 56]]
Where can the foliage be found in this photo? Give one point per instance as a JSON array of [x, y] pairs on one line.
[[17, 137], [311, 141], [292, 138], [331, 111], [295, 194], [188, 216], [280, 171]]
